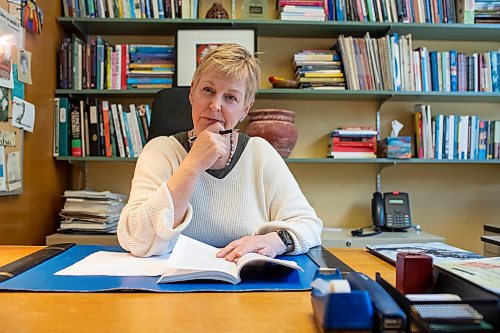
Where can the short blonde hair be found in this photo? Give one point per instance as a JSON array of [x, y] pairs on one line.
[[236, 62]]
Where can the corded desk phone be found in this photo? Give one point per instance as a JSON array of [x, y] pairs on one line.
[[390, 212]]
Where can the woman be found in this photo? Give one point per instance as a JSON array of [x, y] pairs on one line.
[[214, 184]]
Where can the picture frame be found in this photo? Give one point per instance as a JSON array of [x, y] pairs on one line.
[[191, 44]]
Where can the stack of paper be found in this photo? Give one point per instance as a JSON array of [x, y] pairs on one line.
[[90, 211]]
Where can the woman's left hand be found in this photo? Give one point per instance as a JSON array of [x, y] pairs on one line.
[[269, 245]]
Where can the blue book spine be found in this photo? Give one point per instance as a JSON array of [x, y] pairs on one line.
[[437, 131], [132, 9], [161, 9], [428, 15], [148, 114], [440, 11], [136, 80], [498, 69], [483, 131], [331, 10], [494, 71], [148, 9], [339, 13], [396, 62], [424, 63], [434, 71], [453, 70]]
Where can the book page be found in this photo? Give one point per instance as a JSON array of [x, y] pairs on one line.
[[191, 254], [117, 264], [249, 257]]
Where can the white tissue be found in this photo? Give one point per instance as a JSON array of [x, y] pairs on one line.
[[396, 128]]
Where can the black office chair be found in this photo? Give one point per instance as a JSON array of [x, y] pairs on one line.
[[171, 112]]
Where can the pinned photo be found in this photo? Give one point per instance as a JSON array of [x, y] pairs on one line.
[[24, 67]]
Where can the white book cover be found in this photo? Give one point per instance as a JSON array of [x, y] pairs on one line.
[[126, 139], [463, 137], [111, 10], [191, 259], [451, 137], [118, 131], [135, 129]]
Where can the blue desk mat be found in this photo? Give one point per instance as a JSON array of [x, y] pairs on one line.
[[262, 278]]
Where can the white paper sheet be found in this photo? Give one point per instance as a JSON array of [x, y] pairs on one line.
[[117, 264]]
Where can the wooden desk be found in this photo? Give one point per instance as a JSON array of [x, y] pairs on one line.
[[167, 312]]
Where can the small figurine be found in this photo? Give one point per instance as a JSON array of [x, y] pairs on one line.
[[217, 11]]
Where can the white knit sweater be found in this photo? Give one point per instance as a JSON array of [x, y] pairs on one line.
[[258, 195]]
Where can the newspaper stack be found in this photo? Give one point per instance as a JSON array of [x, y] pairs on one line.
[[91, 212]]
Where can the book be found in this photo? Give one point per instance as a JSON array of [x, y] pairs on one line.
[[192, 260], [439, 252], [484, 272]]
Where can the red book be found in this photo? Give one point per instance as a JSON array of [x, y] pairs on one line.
[[355, 149]]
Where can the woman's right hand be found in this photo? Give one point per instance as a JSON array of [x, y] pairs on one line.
[[208, 147]]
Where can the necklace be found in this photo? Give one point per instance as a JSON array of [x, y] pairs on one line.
[[231, 149], [192, 138]]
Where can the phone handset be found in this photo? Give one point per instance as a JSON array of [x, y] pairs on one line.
[[378, 211], [378, 218]]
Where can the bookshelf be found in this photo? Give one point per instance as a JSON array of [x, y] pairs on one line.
[[301, 94], [279, 28], [373, 105]]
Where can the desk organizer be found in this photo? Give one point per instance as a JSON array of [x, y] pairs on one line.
[[487, 304], [341, 311]]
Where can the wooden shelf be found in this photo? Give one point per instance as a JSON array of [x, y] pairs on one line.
[[279, 28], [304, 160], [305, 94]]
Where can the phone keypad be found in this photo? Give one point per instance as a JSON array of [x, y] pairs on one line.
[[398, 221]]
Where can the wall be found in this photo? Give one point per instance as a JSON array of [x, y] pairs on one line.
[[29, 217], [453, 201]]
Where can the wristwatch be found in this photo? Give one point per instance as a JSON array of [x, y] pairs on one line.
[[286, 239]]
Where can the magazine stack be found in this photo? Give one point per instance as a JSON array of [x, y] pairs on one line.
[[91, 212], [319, 70]]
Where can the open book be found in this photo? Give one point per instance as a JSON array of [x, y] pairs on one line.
[[192, 260]]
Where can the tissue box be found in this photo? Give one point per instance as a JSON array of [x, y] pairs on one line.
[[395, 147]]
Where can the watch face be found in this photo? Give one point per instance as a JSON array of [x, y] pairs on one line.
[[285, 237]]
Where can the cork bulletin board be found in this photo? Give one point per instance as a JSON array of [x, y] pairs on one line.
[[12, 37]]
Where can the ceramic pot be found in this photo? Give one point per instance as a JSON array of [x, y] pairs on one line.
[[276, 126]]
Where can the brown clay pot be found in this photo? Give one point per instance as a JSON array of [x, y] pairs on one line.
[[276, 126]]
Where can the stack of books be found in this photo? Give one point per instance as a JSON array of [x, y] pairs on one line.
[[319, 69], [151, 66], [302, 10], [91, 212], [353, 142], [487, 11]]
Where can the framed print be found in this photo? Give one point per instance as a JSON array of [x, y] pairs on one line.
[[192, 45]]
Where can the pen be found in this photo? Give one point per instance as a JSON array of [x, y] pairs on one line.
[[192, 139], [228, 131]]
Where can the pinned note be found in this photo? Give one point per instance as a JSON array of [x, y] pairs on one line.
[[23, 114]]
